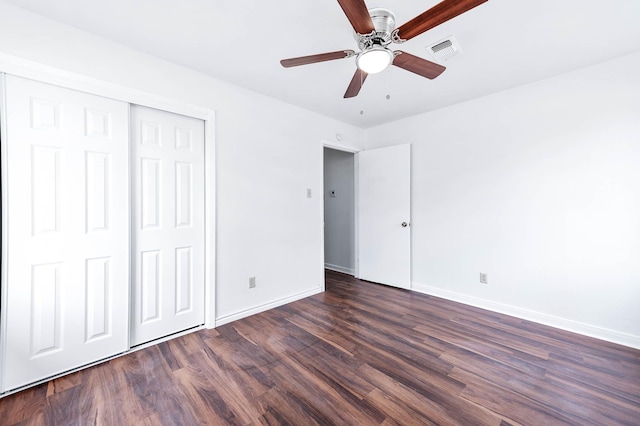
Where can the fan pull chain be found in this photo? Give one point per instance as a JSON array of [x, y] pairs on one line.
[[360, 98]]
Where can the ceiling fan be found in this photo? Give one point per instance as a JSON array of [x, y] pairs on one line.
[[375, 30]]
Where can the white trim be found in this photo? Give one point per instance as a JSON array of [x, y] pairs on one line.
[[338, 268], [256, 310], [538, 317], [56, 76], [356, 215], [5, 229], [130, 228], [339, 147], [322, 223], [210, 220]]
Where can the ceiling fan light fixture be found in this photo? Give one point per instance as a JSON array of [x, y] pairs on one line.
[[374, 60]]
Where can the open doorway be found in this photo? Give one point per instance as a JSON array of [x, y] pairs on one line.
[[367, 213], [339, 211]]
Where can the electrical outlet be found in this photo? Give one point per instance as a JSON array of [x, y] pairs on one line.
[[308, 192], [252, 282], [484, 279]]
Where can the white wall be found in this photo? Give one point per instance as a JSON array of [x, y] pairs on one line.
[[539, 187], [268, 154], [339, 219]]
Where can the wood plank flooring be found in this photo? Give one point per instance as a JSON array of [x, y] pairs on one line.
[[358, 354]]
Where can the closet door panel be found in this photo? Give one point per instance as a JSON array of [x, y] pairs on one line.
[[168, 220], [67, 183]]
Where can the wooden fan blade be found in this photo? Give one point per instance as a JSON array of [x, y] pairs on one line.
[[435, 16], [304, 60], [356, 83], [418, 65], [358, 15]]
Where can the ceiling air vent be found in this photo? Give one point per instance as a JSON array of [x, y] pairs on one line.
[[445, 49]]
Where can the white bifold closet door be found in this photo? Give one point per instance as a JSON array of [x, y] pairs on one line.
[[68, 224], [168, 222]]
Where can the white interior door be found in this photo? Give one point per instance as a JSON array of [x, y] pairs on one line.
[[384, 208], [168, 164], [67, 253]]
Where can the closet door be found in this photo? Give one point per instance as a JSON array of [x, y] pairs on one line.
[[168, 260], [67, 183]]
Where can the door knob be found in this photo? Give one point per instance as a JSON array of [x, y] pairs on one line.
[[404, 224]]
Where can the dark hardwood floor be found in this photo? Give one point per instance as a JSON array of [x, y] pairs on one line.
[[358, 354]]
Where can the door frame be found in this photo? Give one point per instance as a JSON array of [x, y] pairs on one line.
[[325, 143], [47, 74]]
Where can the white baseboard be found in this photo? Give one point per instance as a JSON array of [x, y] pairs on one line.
[[256, 310], [338, 268], [613, 336]]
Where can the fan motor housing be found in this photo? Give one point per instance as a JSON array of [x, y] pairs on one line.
[[384, 23]]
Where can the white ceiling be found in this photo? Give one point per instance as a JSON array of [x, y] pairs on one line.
[[506, 43]]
